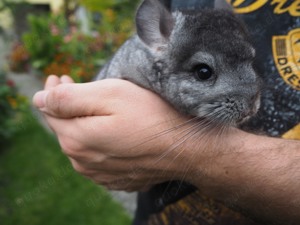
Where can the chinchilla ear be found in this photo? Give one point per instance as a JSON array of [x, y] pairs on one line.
[[223, 4], [154, 23]]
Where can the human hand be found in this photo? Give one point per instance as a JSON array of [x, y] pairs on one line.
[[127, 138], [116, 133]]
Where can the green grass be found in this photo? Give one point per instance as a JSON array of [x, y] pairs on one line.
[[39, 186]]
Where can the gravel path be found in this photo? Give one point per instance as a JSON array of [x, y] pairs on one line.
[[28, 85]]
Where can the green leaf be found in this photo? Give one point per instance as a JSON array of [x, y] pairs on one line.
[[38, 64], [98, 6]]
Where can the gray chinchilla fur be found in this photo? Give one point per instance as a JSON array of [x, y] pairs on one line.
[[200, 62]]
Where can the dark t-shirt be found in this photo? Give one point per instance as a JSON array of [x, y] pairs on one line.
[[275, 30]]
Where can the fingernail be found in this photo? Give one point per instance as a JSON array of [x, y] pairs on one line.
[[39, 99]]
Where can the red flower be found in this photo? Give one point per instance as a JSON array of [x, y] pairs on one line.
[[54, 30], [10, 83]]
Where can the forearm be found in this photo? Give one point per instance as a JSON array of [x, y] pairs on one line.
[[256, 174]]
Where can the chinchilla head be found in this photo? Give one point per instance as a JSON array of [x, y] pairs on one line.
[[202, 61]]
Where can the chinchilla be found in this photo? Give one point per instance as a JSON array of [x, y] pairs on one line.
[[201, 62]]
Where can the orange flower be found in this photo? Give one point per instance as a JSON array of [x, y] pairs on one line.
[[57, 68], [18, 57], [12, 102], [110, 15]]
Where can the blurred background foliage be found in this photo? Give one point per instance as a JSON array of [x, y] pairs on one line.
[[76, 39], [12, 104], [55, 43], [116, 15], [55, 48]]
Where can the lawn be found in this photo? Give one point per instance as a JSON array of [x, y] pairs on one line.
[[38, 185]]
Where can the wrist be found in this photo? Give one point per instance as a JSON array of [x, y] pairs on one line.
[[250, 171], [214, 158], [222, 166]]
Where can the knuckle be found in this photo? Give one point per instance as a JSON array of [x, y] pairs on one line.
[[136, 173], [79, 169], [102, 181], [70, 147], [115, 88], [58, 97], [109, 181], [83, 170], [114, 186]]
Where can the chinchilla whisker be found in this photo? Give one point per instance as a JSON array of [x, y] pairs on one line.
[[175, 127], [191, 127], [153, 137], [180, 141], [208, 131], [186, 170], [208, 124], [220, 133], [203, 126], [193, 131], [221, 118], [191, 143], [197, 130], [220, 128], [213, 112], [183, 139]]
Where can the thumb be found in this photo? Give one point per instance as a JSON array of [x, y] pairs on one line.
[[69, 100], [52, 81]]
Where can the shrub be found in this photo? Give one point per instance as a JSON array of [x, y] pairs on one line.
[[11, 104], [43, 40], [80, 56], [55, 48], [19, 58]]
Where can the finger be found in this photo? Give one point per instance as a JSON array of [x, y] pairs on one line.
[[77, 100], [66, 79], [51, 82], [82, 170], [78, 128], [114, 183], [39, 97]]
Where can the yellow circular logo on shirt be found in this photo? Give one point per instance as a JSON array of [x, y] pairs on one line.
[[286, 51]]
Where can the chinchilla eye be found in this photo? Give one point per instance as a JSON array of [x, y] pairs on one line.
[[203, 72]]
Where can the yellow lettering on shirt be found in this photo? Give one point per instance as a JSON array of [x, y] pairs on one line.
[[280, 6]]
